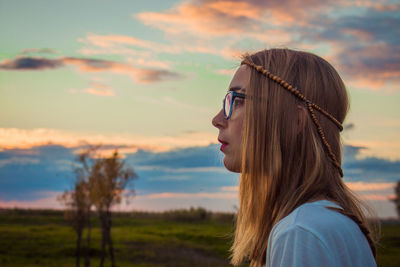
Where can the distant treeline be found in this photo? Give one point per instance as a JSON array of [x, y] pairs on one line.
[[190, 215]]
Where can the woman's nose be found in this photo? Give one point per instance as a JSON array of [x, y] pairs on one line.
[[219, 120]]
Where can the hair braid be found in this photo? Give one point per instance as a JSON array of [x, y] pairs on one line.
[[311, 106], [322, 135], [362, 227]]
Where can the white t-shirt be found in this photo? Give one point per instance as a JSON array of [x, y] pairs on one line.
[[313, 235]]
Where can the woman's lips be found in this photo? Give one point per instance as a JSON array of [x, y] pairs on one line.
[[223, 144]]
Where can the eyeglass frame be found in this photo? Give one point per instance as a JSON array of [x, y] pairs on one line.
[[234, 95]]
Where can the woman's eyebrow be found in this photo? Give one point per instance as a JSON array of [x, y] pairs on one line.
[[236, 88]]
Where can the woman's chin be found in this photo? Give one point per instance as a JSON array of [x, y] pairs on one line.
[[232, 165]]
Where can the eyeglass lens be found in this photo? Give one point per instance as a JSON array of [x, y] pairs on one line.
[[227, 104]]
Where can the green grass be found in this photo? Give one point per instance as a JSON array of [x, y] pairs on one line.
[[44, 238], [389, 248]]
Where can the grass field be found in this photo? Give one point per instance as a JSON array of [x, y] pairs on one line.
[[43, 238]]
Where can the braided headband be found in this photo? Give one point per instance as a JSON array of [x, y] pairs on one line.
[[311, 106]]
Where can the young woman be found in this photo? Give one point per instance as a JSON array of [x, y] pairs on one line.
[[280, 129]]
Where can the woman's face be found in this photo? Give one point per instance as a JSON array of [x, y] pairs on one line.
[[230, 130]]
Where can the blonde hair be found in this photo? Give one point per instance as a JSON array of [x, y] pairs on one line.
[[286, 163]]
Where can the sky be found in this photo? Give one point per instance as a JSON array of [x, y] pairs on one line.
[[147, 77]]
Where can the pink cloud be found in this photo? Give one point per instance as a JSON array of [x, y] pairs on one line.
[[228, 72], [207, 18], [96, 89], [364, 186], [221, 201], [375, 197], [226, 18], [170, 195], [224, 200], [377, 5], [373, 65], [361, 35], [141, 75], [114, 41], [144, 56], [48, 201], [13, 138], [389, 149], [355, 48]]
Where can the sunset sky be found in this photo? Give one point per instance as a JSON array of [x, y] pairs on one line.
[[147, 77]]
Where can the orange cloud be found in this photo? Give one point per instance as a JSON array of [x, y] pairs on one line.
[[389, 149], [113, 41], [377, 197], [169, 195], [235, 9], [230, 188], [126, 45], [97, 89], [49, 201], [140, 75], [360, 34], [364, 186], [377, 5], [228, 72], [224, 18], [11, 138], [218, 18]]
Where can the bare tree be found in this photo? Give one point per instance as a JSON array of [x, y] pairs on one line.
[[87, 160], [396, 199], [109, 178], [76, 212], [100, 182]]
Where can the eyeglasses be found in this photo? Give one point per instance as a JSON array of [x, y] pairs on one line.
[[228, 101]]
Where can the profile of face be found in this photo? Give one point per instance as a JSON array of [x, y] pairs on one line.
[[230, 130]]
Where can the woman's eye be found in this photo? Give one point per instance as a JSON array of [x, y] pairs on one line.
[[238, 102]]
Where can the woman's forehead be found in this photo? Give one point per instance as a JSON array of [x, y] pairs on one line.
[[240, 79]]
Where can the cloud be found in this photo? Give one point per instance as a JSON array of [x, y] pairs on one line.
[[142, 52], [218, 201], [113, 43], [360, 39], [376, 5], [228, 18], [13, 138], [30, 63], [177, 178], [363, 186], [140, 75], [96, 89], [230, 188], [228, 72], [44, 200], [216, 27], [204, 17], [150, 63], [364, 46], [369, 168], [378, 148], [181, 170], [38, 51], [169, 195], [18, 161], [375, 191]]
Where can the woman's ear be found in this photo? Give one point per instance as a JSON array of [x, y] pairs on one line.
[[301, 118]]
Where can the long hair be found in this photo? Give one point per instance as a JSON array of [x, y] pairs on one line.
[[284, 159]]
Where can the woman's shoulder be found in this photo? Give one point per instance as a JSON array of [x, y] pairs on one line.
[[314, 235], [317, 219]]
